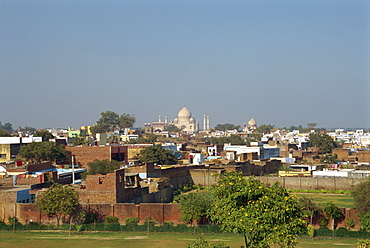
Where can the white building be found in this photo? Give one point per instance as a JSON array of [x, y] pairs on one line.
[[185, 122]]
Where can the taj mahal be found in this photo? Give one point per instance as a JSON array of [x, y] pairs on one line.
[[185, 122]]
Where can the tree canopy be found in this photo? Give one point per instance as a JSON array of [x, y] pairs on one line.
[[37, 152], [194, 206], [103, 166], [232, 139], [265, 128], [226, 126], [45, 134], [110, 120], [308, 205], [333, 212], [173, 129], [4, 133], [58, 201], [158, 155], [361, 195], [27, 129], [6, 126], [323, 141], [264, 214]]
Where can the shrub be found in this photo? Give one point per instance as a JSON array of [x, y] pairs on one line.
[[363, 243], [311, 231], [132, 220], [110, 220], [202, 243], [350, 223], [365, 221], [323, 222]]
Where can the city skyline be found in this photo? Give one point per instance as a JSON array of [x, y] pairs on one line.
[[280, 62]]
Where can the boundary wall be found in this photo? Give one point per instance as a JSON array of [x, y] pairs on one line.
[[312, 183]]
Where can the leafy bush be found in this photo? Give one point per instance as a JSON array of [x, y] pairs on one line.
[[202, 243], [365, 221], [132, 220], [363, 243], [323, 222], [110, 220], [350, 223]]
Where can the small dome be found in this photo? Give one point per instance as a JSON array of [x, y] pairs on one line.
[[184, 113], [252, 122]]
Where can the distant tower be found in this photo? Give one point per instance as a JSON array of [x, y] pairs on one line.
[[206, 124], [165, 120], [159, 118]]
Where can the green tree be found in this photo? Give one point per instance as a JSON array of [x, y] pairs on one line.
[[255, 137], [365, 221], [100, 128], [157, 154], [27, 129], [45, 134], [308, 204], [108, 118], [150, 139], [194, 206], [78, 141], [232, 139], [7, 126], [4, 133], [37, 152], [265, 128], [226, 126], [332, 212], [263, 214], [329, 158], [173, 129], [322, 141], [103, 166], [58, 201], [311, 126], [126, 120], [361, 195]]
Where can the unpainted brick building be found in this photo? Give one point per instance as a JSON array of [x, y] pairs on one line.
[[85, 154]]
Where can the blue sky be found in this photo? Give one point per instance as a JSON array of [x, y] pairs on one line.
[[281, 62]]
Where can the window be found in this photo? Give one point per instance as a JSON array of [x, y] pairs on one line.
[[2, 155]]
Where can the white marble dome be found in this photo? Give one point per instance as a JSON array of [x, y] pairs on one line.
[[184, 113]]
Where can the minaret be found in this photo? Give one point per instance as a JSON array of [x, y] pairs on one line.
[[159, 118], [204, 122], [165, 119], [208, 123]]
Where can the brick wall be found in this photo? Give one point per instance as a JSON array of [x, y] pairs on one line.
[[38, 167], [363, 156], [342, 154], [85, 154], [158, 212]]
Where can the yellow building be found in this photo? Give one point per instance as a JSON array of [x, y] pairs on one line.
[[5, 154]]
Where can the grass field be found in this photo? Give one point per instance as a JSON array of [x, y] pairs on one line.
[[345, 201], [140, 240]]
